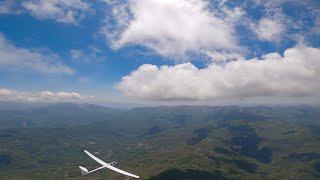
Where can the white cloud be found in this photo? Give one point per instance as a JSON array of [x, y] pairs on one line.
[[293, 75], [316, 27], [10, 94], [6, 6], [60, 95], [275, 3], [173, 27], [5, 92], [89, 55], [64, 11], [43, 96], [269, 29], [224, 56], [12, 57]]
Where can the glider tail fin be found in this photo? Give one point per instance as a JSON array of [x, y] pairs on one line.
[[83, 170]]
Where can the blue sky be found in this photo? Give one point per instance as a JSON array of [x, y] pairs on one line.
[[160, 52]]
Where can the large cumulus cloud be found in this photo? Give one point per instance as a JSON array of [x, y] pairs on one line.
[[173, 27], [293, 74]]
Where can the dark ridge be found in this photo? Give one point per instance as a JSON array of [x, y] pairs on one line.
[[152, 131], [242, 164], [4, 160], [250, 148], [249, 141], [189, 174], [199, 135], [224, 151], [315, 130], [235, 113], [317, 167], [241, 130], [245, 165], [305, 156], [180, 120], [289, 132]]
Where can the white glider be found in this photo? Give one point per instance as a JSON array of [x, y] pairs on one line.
[[105, 165]]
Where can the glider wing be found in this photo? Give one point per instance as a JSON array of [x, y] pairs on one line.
[[95, 158], [109, 166]]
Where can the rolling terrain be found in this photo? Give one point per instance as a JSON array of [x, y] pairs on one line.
[[184, 142]]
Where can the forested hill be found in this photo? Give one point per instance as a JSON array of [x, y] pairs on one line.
[[45, 141]]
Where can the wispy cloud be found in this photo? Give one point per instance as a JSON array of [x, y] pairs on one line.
[[6, 7], [71, 11], [269, 29], [43, 96], [22, 59], [63, 11], [89, 55]]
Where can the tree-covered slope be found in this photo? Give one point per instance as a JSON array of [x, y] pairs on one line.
[[167, 143]]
